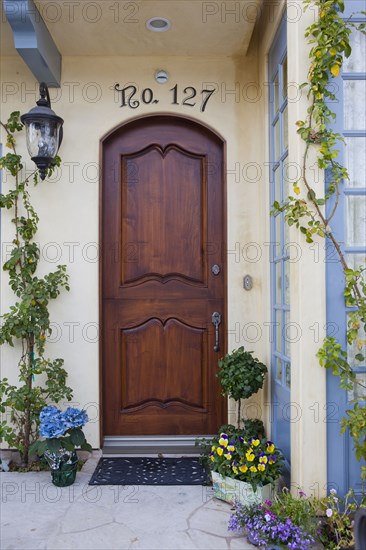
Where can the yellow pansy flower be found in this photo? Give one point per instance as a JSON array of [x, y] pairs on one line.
[[235, 470], [261, 467], [212, 458], [255, 442], [231, 448], [253, 469], [243, 468], [250, 456], [219, 451], [213, 448], [228, 456], [223, 441], [270, 448], [263, 459]]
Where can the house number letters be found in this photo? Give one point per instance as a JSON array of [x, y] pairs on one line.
[[188, 96]]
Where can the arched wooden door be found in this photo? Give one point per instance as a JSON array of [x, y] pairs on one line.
[[163, 230]]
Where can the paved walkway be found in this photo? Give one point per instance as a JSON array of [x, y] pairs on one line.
[[37, 515]]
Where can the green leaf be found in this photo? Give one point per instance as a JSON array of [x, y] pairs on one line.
[[53, 444], [86, 447], [77, 436]]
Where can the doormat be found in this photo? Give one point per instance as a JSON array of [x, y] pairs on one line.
[[149, 471]]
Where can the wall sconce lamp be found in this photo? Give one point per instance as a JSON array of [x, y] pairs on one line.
[[44, 131]]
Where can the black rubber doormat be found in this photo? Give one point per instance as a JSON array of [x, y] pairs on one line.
[[149, 471]]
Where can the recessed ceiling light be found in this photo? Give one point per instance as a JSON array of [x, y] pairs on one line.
[[158, 24]]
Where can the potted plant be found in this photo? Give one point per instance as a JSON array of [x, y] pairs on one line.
[[241, 375], [244, 470], [63, 434], [243, 464], [267, 529]]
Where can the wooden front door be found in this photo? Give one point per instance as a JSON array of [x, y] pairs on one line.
[[163, 228]]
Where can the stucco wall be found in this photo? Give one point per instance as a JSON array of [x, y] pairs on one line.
[[68, 208], [69, 205]]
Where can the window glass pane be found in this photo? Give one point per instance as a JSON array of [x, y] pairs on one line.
[[358, 390], [358, 346], [277, 178], [289, 333], [279, 332], [354, 104], [278, 275], [278, 369], [355, 161], [286, 282], [276, 145], [285, 127], [356, 220], [278, 219], [286, 180], [284, 79], [288, 375], [275, 94], [355, 261], [356, 63], [286, 239]]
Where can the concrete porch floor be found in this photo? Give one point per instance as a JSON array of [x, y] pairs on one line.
[[37, 515]]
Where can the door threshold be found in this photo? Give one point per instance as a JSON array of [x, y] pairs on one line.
[[153, 445]]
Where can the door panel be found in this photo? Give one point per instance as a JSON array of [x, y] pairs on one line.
[[163, 228]]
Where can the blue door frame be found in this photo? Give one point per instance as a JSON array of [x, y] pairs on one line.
[[280, 277]]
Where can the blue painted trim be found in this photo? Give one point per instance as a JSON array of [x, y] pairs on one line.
[[280, 391], [354, 7], [33, 41]]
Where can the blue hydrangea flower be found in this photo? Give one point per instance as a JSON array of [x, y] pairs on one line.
[[54, 427], [74, 418], [48, 413]]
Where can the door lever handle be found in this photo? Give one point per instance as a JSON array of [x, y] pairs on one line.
[[216, 320]]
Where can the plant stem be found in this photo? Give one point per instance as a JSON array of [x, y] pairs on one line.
[[28, 420]]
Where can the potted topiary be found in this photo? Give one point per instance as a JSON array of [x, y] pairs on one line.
[[241, 375], [244, 464]]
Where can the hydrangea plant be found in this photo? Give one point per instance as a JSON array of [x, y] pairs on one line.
[[61, 430]]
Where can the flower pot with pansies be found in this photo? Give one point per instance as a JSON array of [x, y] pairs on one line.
[[63, 435], [243, 468]]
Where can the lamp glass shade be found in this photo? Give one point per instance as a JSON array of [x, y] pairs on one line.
[[43, 137]]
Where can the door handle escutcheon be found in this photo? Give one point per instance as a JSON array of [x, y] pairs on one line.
[[216, 320]]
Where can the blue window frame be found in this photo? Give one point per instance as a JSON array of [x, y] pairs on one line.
[[280, 265], [349, 227]]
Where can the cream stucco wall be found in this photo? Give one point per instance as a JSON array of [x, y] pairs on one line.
[[69, 206]]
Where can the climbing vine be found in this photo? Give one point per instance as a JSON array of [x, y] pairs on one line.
[[28, 320], [329, 38]]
